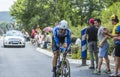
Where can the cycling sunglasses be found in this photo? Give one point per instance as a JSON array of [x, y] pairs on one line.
[[62, 29]]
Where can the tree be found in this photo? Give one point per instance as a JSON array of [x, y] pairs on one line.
[[106, 13], [45, 12]]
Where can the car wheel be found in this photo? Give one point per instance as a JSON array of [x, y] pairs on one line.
[[4, 46], [23, 46]]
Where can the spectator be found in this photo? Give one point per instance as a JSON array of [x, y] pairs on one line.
[[38, 29], [116, 38], [38, 39], [47, 40], [34, 39], [91, 36], [32, 33], [78, 42], [26, 35], [103, 48]]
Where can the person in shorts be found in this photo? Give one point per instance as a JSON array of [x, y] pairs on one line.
[[116, 38], [103, 48]]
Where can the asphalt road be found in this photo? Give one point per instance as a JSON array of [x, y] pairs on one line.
[[24, 62], [28, 62]]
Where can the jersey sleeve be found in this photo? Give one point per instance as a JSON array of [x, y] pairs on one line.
[[68, 37], [56, 39], [117, 31]]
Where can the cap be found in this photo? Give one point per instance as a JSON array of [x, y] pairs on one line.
[[114, 18], [91, 20]]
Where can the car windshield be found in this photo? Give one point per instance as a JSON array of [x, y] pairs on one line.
[[14, 33]]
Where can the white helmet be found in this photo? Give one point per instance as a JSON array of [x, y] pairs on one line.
[[63, 24]]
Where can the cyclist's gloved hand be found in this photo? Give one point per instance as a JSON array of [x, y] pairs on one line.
[[63, 49]]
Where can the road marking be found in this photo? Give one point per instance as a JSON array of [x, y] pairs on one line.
[[45, 52]]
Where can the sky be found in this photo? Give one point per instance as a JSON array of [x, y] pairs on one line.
[[6, 4]]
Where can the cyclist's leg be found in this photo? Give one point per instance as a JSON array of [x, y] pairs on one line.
[[55, 60], [55, 53]]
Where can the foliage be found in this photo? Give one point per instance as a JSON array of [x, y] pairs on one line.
[[74, 56], [76, 31], [44, 12], [17, 10], [76, 52], [74, 49], [106, 13], [30, 13]]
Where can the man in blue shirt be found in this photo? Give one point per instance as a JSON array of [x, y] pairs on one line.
[[61, 37]]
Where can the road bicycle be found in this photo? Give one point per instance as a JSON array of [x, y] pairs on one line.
[[63, 65]]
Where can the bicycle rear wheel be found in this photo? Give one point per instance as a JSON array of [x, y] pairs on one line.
[[65, 69]]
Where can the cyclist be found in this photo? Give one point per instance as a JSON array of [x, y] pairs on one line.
[[61, 36]]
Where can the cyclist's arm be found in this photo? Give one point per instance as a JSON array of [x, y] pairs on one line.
[[68, 38], [55, 37]]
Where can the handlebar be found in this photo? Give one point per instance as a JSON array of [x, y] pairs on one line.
[[63, 49]]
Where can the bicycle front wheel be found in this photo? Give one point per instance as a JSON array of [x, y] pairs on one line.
[[55, 75], [65, 69]]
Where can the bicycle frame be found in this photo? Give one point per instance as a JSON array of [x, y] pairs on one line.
[[61, 62], [61, 58]]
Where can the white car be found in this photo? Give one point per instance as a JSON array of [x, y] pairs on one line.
[[14, 38]]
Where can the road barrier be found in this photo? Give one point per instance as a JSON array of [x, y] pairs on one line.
[[83, 47]]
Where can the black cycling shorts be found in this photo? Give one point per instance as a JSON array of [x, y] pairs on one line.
[[117, 50]]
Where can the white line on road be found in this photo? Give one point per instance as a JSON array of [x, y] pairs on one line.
[[45, 52]]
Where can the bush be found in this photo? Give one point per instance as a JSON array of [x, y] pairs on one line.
[[74, 49], [88, 56], [76, 52], [79, 54], [74, 56]]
